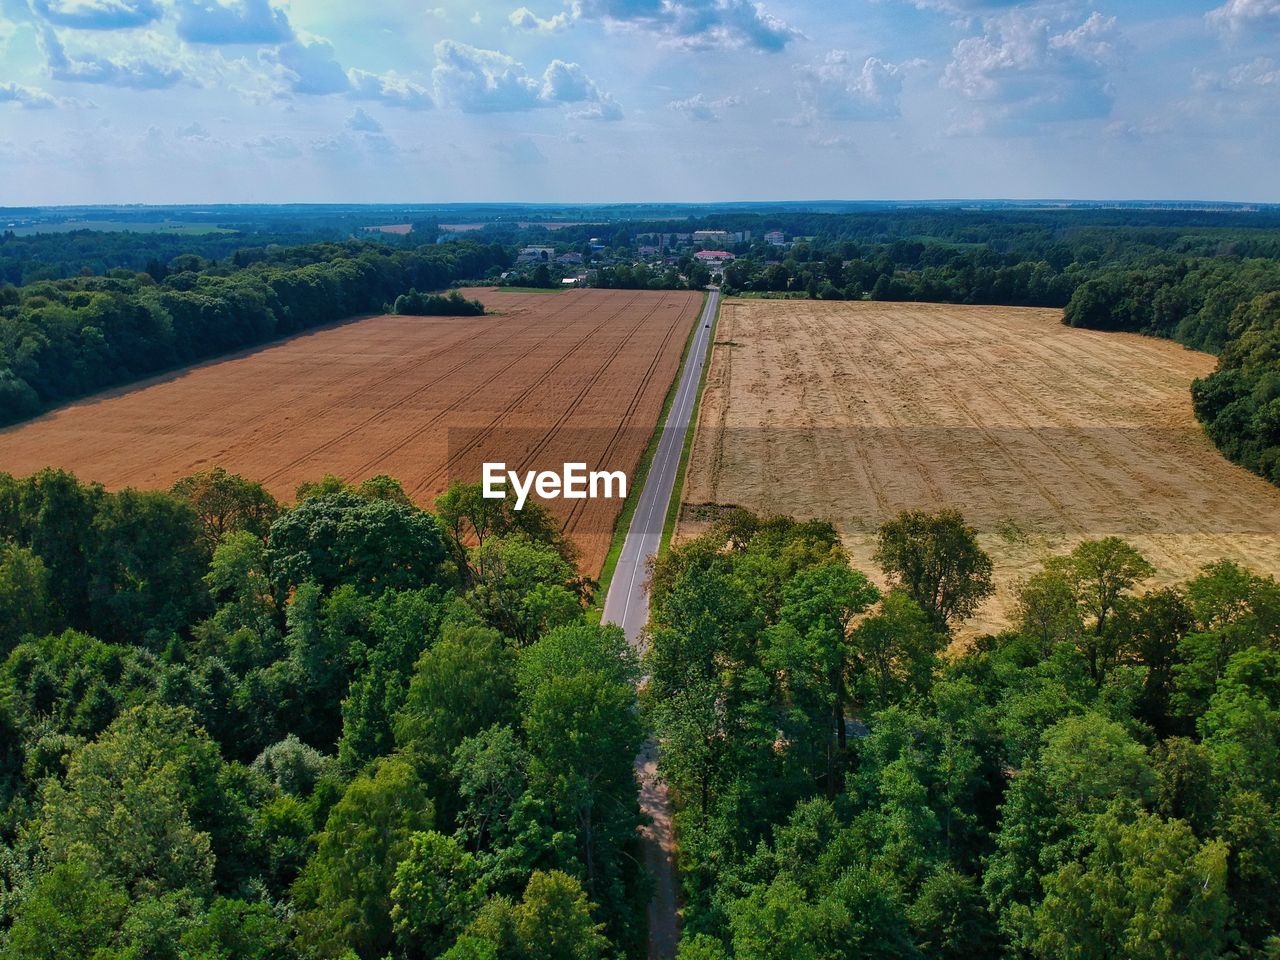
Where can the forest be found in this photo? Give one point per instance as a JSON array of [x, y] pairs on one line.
[[350, 728], [1101, 780], [61, 339], [1228, 307]]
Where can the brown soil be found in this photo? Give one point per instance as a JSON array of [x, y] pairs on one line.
[[1042, 435], [576, 377]]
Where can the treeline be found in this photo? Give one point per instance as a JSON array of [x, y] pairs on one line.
[[687, 275], [1102, 780], [935, 273], [63, 339], [350, 728], [1229, 307], [452, 304], [56, 256]]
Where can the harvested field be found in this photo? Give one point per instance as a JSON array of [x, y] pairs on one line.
[[578, 376], [1042, 435]]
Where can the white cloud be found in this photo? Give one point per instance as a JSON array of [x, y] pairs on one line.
[[604, 108], [1026, 68], [1245, 18], [702, 108], [1259, 72], [361, 120], [232, 22], [696, 23], [389, 88], [488, 81], [840, 89], [98, 14], [29, 98], [307, 66], [526, 19], [138, 73], [482, 81]]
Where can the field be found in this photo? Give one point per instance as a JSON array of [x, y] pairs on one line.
[[136, 226], [1041, 434], [543, 380]]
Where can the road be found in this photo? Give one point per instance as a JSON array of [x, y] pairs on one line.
[[627, 604]]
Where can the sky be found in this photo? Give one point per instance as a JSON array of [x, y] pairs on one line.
[[259, 101]]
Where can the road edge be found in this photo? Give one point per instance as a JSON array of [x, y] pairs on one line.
[[622, 524]]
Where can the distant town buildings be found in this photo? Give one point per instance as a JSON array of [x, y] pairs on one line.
[[536, 255], [775, 238], [715, 259]]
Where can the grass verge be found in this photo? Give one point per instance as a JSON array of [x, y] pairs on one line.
[[623, 523]]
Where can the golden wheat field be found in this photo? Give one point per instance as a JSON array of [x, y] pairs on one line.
[[1042, 435]]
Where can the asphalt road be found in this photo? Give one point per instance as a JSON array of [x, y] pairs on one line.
[[627, 601], [627, 604]]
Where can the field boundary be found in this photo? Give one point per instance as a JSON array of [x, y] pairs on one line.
[[623, 523]]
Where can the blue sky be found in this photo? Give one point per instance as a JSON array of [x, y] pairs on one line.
[[595, 100]]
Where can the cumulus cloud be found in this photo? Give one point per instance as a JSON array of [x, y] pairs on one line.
[[965, 6], [1027, 68], [488, 81], [29, 98], [482, 81], [235, 21], [97, 14], [361, 120], [838, 88], [605, 108], [1259, 72], [307, 66], [701, 108], [695, 23], [310, 67], [389, 88], [526, 19], [133, 72], [1244, 18]]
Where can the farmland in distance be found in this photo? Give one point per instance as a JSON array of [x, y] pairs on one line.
[[574, 376], [1041, 434]]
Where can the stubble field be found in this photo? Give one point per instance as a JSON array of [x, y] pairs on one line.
[[1042, 435], [575, 376]]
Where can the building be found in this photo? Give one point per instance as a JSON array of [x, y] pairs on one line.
[[536, 255], [715, 259], [569, 260], [711, 236], [775, 238]]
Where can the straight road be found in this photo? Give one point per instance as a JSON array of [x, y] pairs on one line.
[[627, 604]]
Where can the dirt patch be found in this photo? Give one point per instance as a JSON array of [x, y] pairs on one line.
[[578, 377], [1042, 435]]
